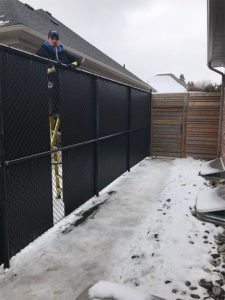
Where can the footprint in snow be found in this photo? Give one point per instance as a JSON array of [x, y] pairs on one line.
[[111, 192]]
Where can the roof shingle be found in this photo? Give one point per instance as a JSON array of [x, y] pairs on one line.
[[16, 13]]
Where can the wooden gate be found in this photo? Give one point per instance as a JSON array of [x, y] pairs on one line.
[[202, 125], [168, 130], [185, 125]]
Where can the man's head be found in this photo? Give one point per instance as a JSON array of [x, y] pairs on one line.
[[53, 38]]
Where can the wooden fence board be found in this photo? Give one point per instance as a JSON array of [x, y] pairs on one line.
[[167, 125], [202, 125], [185, 125]]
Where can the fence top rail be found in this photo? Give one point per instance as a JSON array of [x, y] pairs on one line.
[[64, 66]]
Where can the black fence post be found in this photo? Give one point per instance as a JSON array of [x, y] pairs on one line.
[[96, 154], [4, 222], [4, 240], [149, 123], [128, 128]]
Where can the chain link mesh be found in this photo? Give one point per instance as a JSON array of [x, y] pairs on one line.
[[64, 136]]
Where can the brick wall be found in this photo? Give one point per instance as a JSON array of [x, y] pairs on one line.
[[223, 128]]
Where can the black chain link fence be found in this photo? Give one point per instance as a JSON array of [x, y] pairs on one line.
[[64, 136]]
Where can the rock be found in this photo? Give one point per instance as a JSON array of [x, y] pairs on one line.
[[168, 200], [206, 284], [215, 262], [191, 242], [174, 291], [215, 255], [220, 281], [217, 271], [187, 283], [168, 281], [220, 237], [207, 270], [205, 237], [217, 291], [223, 266], [135, 256], [221, 248], [206, 231], [195, 296], [218, 242], [193, 288]]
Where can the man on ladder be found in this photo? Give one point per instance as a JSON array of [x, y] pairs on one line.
[[53, 50]]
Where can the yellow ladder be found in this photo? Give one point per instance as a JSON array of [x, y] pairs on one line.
[[56, 161]]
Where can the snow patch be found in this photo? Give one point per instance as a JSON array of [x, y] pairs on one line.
[[144, 237], [2, 23], [211, 200], [212, 166], [104, 289]]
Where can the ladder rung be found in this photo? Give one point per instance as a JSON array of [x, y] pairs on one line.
[[59, 176], [59, 189], [56, 163]]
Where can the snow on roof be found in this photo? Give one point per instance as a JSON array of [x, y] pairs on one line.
[[167, 83]]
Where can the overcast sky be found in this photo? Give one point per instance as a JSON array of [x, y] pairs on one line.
[[148, 36]]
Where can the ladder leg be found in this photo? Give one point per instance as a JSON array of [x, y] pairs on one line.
[[55, 159]]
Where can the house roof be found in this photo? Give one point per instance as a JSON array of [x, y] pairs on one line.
[[14, 12], [167, 83]]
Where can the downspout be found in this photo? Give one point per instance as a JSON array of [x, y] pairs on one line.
[[221, 107], [217, 71]]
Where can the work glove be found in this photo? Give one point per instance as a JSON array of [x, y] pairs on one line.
[[51, 70], [76, 63]]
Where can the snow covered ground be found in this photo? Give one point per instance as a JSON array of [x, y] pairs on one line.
[[143, 235]]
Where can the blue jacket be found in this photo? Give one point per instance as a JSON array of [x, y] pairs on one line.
[[63, 56]]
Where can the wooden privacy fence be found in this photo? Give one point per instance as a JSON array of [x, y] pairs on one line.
[[185, 124]]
